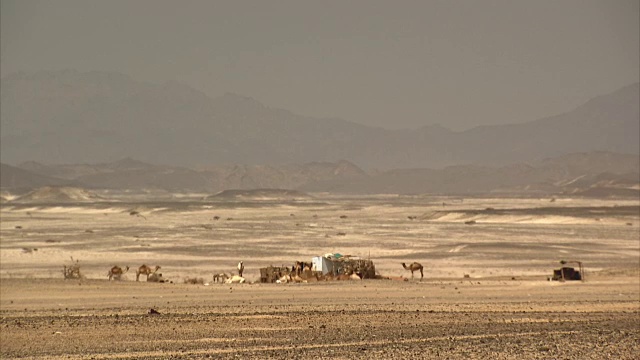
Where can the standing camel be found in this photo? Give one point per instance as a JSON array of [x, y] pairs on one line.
[[146, 270], [414, 267], [116, 272]]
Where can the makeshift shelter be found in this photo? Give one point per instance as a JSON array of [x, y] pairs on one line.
[[322, 264], [337, 264], [272, 273], [569, 273]]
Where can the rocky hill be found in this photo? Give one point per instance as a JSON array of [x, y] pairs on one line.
[[581, 174], [136, 175], [19, 179]]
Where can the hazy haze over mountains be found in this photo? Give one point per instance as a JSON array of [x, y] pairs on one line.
[[457, 63], [75, 117]]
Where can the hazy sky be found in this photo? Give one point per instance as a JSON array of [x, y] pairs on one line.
[[394, 64]]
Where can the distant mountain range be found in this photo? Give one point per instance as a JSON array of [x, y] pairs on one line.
[[595, 174], [71, 117]]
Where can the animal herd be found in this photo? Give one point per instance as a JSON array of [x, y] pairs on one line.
[[116, 272], [152, 275]]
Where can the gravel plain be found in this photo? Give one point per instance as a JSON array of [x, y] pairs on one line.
[[370, 319]]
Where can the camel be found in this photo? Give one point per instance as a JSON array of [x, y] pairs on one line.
[[146, 270], [414, 267], [155, 278], [235, 279], [297, 279], [222, 277], [116, 272], [327, 277], [301, 267], [342, 277], [240, 268]]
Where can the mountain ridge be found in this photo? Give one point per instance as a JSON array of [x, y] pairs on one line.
[[76, 117], [579, 174]]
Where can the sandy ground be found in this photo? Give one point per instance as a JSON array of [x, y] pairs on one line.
[[504, 309], [370, 319]]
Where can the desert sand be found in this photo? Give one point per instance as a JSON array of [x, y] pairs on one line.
[[485, 293]]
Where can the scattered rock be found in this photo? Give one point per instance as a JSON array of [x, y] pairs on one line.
[[153, 311]]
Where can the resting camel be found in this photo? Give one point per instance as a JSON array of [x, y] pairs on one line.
[[155, 277], [146, 270], [235, 279], [116, 272], [342, 277], [297, 279], [414, 267]]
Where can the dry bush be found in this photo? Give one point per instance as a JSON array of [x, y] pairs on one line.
[[72, 271], [194, 281]]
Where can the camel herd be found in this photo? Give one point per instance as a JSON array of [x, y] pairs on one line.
[[152, 275], [230, 278], [300, 273], [305, 278], [116, 272]]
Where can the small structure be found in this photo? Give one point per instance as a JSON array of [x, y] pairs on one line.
[[337, 264], [272, 273], [320, 266], [569, 273]]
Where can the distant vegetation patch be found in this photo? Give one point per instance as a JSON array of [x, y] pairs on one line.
[[595, 212]]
